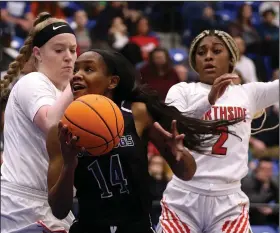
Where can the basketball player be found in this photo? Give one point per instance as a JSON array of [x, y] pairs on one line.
[[212, 202], [35, 103], [113, 189]]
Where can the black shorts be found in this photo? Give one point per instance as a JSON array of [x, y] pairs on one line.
[[139, 227]]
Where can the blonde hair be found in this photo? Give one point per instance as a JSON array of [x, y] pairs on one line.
[[225, 37], [43, 19]]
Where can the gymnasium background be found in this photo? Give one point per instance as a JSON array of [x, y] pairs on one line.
[[155, 37]]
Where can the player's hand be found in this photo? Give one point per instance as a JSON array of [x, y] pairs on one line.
[[258, 145], [173, 139], [219, 86], [266, 210], [68, 146]]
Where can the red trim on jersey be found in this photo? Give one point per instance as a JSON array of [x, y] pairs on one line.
[[171, 218], [48, 229]]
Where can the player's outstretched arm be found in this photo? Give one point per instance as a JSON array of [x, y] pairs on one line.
[[170, 145], [262, 94], [60, 172]]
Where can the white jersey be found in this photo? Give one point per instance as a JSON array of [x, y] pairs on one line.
[[25, 158], [228, 162]]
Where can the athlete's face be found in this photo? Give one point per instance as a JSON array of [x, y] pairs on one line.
[[212, 59], [56, 58], [90, 76]]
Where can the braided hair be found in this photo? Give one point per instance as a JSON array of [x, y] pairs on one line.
[[42, 20], [225, 37]]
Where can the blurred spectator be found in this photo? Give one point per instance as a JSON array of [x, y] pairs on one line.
[[271, 5], [257, 145], [158, 182], [158, 175], [81, 31], [207, 21], [158, 73], [142, 37], [269, 33], [152, 150], [243, 27], [18, 16], [261, 188], [51, 7], [118, 33], [276, 74], [99, 33], [267, 29], [182, 72], [93, 9], [245, 65], [8, 54]]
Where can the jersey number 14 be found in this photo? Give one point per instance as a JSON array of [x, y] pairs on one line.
[[116, 176]]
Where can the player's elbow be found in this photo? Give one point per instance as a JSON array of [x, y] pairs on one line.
[[186, 172], [60, 211], [187, 175]]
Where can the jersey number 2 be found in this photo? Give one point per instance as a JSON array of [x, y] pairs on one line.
[[116, 176], [218, 148]]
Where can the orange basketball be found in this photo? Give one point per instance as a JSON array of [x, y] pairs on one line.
[[97, 121]]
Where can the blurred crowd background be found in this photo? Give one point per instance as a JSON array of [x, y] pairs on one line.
[[155, 37]]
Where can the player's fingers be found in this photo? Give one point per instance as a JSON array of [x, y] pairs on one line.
[[63, 134], [73, 141], [225, 77], [174, 128], [159, 128], [180, 137], [223, 84], [60, 125]]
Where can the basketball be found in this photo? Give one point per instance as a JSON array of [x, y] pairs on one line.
[[97, 121]]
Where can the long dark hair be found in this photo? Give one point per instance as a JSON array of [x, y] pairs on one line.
[[240, 14], [168, 64], [199, 133]]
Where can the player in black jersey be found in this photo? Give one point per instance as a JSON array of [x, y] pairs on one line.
[[112, 189]]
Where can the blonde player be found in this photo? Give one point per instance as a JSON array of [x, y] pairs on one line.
[[36, 102], [212, 202]]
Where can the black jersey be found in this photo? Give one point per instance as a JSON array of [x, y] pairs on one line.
[[113, 189]]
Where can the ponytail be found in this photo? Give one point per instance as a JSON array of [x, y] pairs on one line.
[[199, 134], [42, 20]]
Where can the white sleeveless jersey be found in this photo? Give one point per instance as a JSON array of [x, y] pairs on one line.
[[228, 162], [25, 158]]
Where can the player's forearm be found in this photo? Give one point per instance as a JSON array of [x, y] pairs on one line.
[[185, 168], [61, 194], [55, 112]]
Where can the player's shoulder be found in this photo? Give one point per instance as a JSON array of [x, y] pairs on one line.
[[180, 88], [34, 78], [33, 81], [183, 90]]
